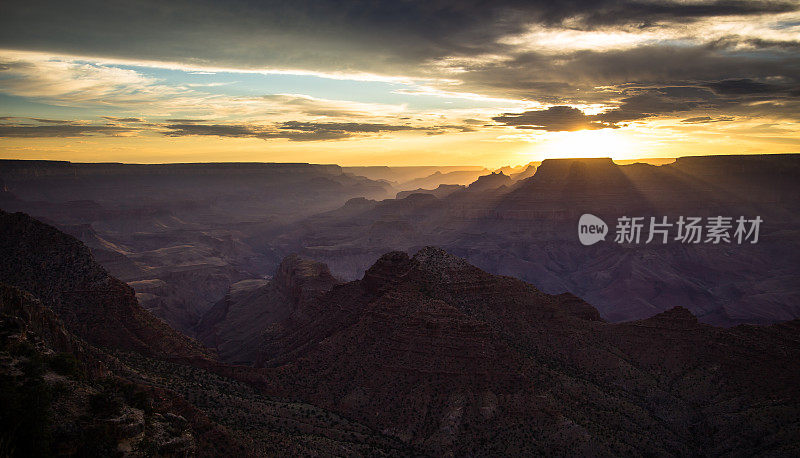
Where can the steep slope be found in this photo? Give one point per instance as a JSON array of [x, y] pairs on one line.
[[177, 232], [457, 361], [234, 326], [60, 271], [425, 355], [60, 396], [137, 388]]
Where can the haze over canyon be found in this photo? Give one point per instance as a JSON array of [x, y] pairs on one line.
[[399, 228]]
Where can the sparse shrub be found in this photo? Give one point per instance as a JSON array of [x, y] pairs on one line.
[[25, 414], [105, 404], [65, 364]]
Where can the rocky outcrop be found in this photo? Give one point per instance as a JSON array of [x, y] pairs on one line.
[[303, 280], [234, 325], [490, 182], [443, 190]]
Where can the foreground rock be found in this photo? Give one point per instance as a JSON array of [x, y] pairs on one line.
[[457, 361], [424, 355]]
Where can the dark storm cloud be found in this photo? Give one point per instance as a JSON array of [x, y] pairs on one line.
[[641, 103], [553, 119], [654, 63], [647, 82], [393, 37], [649, 13], [297, 130], [654, 103], [744, 86], [367, 35]]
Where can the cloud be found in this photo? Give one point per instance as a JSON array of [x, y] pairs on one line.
[[374, 36], [290, 130], [59, 130], [642, 104], [50, 121], [218, 84], [594, 76], [343, 127], [126, 120], [553, 119], [186, 121], [638, 60], [74, 83], [566, 118], [297, 130], [643, 13], [743, 86], [317, 107], [245, 131], [755, 43], [655, 102], [707, 119]]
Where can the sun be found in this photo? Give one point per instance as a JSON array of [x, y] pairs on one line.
[[585, 143]]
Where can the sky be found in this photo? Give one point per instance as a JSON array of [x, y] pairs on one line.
[[398, 82]]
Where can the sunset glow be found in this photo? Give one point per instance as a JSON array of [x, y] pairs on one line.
[[251, 85], [587, 143]]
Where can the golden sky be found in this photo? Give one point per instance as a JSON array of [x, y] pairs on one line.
[[397, 83]]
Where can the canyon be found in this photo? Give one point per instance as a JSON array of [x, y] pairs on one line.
[[183, 235], [424, 355]]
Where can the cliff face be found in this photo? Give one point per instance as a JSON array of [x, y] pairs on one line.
[[60, 271], [180, 234], [454, 360], [303, 280], [529, 231], [424, 355], [133, 386], [403, 287], [489, 182], [234, 325]]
